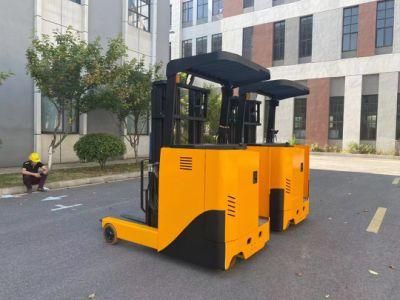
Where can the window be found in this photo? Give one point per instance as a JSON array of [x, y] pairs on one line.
[[305, 41], [187, 48], [139, 14], [77, 1], [201, 45], [398, 118], [279, 40], [202, 10], [336, 105], [218, 7], [384, 23], [216, 42], [369, 117], [187, 13], [350, 29], [142, 126], [247, 44], [170, 16], [300, 117], [248, 3], [50, 118]]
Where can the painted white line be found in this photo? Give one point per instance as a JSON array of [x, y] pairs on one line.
[[377, 220], [396, 181], [60, 207], [54, 198]]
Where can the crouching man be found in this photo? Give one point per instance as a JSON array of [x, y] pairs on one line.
[[34, 173]]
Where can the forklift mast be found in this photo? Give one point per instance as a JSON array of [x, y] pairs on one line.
[[245, 114], [176, 122]]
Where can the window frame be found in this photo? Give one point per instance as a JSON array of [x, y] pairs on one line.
[[135, 10], [247, 51], [184, 42], [142, 133], [213, 38], [217, 5], [62, 129], [306, 38], [187, 13], [385, 27], [279, 46], [336, 115], [365, 132], [302, 102], [204, 42], [351, 32], [248, 3], [202, 6]]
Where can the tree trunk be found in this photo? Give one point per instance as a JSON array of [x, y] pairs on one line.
[[50, 160]]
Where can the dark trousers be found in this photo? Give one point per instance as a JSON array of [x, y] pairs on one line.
[[32, 180]]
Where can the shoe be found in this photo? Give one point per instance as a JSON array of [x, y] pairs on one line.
[[29, 190], [41, 190]]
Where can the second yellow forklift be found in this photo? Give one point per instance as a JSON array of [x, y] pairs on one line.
[[284, 168]]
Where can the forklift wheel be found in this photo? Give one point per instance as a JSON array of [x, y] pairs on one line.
[[110, 234], [233, 262]]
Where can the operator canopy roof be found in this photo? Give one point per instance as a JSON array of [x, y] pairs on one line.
[[222, 67], [276, 89]]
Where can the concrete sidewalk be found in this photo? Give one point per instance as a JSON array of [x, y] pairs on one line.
[[357, 164]]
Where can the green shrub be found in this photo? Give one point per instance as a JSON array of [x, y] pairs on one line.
[[316, 148], [292, 141], [367, 149], [99, 147], [355, 148]]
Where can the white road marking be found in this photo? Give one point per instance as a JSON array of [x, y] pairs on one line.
[[396, 181], [60, 207], [377, 220], [9, 196], [54, 198]]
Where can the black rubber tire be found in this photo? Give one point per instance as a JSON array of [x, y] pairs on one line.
[[233, 262], [110, 234]]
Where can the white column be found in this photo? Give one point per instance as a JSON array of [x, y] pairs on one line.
[[284, 120], [352, 110], [260, 129], [396, 29], [37, 103], [387, 108]]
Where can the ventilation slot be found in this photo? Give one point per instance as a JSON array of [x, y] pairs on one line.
[[288, 186], [186, 163], [231, 209]]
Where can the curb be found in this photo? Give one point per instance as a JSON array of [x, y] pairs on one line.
[[74, 183], [374, 156]]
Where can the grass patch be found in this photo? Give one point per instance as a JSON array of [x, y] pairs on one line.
[[15, 179]]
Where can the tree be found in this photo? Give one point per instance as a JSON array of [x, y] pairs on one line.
[[65, 70], [213, 115], [126, 92], [4, 76]]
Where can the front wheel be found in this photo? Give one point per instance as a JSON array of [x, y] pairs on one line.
[[110, 234]]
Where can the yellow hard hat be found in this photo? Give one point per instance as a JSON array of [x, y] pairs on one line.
[[34, 157]]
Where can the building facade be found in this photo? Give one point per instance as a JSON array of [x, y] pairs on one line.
[[347, 52], [26, 118]]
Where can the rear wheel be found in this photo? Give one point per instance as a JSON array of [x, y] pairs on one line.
[[110, 234], [233, 262]]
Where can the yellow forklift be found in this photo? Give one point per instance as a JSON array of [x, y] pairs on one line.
[[284, 169], [201, 203]]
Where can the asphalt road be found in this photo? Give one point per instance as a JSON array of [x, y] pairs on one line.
[[60, 254]]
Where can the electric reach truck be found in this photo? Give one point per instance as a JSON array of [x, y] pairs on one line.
[[201, 203], [284, 168]]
